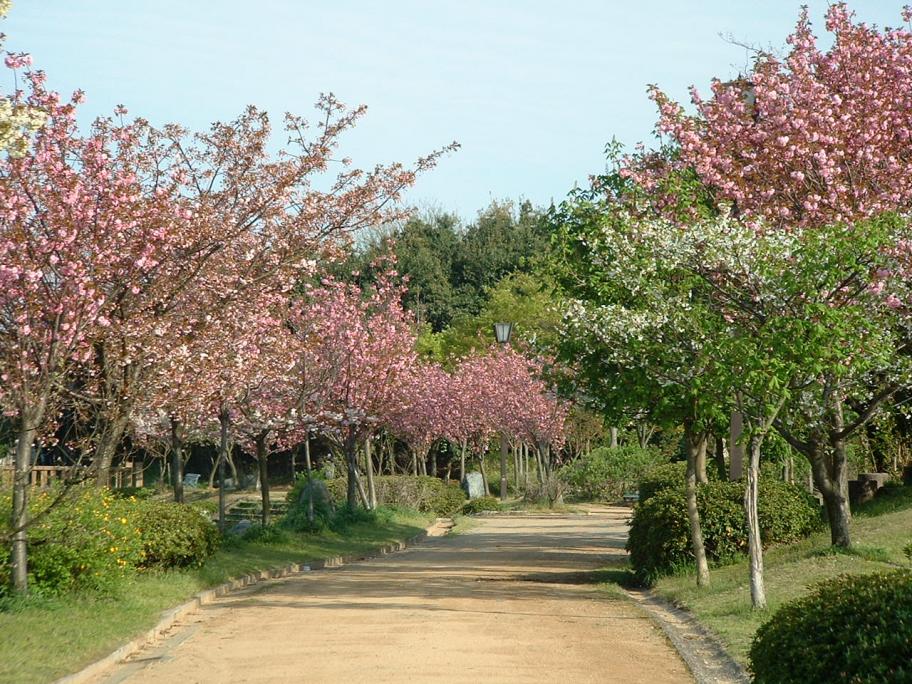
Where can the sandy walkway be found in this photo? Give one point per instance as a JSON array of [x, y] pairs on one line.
[[501, 603]]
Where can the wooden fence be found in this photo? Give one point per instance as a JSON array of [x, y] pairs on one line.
[[127, 475]]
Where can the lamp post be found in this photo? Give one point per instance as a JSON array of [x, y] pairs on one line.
[[502, 332]]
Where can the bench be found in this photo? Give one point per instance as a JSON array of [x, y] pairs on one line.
[[631, 497]]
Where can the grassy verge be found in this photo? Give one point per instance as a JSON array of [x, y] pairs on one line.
[[45, 639], [880, 530]]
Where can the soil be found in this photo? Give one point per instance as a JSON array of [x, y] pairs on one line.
[[510, 600]]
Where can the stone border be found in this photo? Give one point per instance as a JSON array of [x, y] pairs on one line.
[[701, 650], [171, 616]]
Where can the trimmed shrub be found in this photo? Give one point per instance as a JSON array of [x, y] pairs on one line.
[[668, 475], [270, 534], [606, 473], [854, 628], [484, 503], [665, 476], [88, 541], [424, 494], [175, 535], [659, 539]]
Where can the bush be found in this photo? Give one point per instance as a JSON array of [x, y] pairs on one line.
[[659, 539], [175, 535], [270, 534], [484, 503], [424, 494], [89, 540], [606, 473], [665, 476], [854, 628]]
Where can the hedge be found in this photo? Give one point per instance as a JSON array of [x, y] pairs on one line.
[[606, 473], [422, 493], [854, 628], [659, 539]]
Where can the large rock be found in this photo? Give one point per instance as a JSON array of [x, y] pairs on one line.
[[320, 493], [241, 527], [473, 484]]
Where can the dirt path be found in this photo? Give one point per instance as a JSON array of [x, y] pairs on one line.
[[505, 602]]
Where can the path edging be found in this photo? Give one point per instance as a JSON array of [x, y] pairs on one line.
[[171, 616], [702, 651]]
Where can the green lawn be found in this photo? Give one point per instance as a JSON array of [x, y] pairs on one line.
[[45, 639], [880, 530]]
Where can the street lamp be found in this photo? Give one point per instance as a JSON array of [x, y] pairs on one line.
[[502, 332]]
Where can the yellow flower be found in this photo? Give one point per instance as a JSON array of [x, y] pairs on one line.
[[123, 521]]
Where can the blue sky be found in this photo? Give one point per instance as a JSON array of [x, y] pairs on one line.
[[531, 90]]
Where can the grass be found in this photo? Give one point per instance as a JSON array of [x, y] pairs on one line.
[[46, 638], [880, 530]]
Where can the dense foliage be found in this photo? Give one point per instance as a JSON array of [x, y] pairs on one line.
[[89, 542], [91, 538], [422, 493], [659, 540], [174, 535], [606, 474], [481, 504], [854, 628], [451, 266]]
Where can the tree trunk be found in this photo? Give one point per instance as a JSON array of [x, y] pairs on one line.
[[462, 461], [755, 547], [310, 493], [484, 475], [719, 456], [294, 476], [433, 453], [351, 459], [644, 433], [735, 450], [362, 495], [177, 461], [369, 463], [504, 448], [106, 449], [20, 518], [517, 468], [525, 458], [693, 513], [613, 437], [836, 505], [262, 457], [224, 419], [700, 462]]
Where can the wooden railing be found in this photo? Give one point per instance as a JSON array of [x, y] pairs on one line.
[[127, 475]]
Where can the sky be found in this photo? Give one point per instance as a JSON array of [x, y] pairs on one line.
[[531, 90]]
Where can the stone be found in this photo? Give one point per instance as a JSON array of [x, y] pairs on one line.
[[320, 493], [473, 484], [879, 478], [241, 527], [861, 491]]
